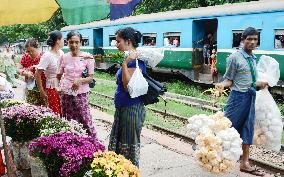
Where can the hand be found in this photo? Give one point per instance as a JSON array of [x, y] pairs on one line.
[[59, 91], [30, 75], [43, 94], [220, 87], [261, 84], [76, 85], [132, 56]]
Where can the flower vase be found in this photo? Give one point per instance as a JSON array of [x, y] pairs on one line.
[[37, 167], [21, 155]]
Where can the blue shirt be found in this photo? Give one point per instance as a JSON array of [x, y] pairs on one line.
[[238, 70], [121, 97]]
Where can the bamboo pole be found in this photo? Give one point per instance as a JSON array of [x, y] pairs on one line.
[[11, 169]]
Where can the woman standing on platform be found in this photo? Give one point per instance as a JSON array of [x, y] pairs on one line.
[[130, 112], [27, 68], [9, 64], [74, 89], [48, 65]]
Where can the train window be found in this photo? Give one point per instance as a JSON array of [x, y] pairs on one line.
[[237, 38], [85, 41], [65, 42], [172, 39], [279, 39], [149, 39], [112, 40]]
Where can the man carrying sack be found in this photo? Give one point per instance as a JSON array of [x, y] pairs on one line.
[[240, 77]]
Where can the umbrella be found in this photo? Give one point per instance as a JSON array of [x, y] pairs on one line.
[[26, 11]]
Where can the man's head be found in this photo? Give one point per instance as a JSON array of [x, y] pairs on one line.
[[250, 38]]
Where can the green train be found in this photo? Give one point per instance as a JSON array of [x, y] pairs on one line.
[[181, 35]]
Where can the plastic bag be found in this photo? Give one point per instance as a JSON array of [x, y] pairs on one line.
[[137, 85], [30, 84], [268, 122], [268, 70], [152, 57]]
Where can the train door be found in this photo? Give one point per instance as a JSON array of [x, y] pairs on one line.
[[204, 37], [98, 41]]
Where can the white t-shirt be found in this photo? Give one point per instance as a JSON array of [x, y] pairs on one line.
[[48, 63], [6, 84]]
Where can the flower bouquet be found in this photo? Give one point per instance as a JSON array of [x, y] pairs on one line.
[[22, 122], [108, 163], [218, 145], [65, 154]]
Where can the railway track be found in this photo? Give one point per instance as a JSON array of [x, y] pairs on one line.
[[269, 160]]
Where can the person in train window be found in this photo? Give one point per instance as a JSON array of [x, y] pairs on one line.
[[130, 112], [240, 76], [176, 42]]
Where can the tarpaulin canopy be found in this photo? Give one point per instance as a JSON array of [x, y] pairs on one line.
[[83, 11], [74, 11], [26, 11]]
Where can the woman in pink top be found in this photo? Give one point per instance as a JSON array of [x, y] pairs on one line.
[[73, 87], [48, 65]]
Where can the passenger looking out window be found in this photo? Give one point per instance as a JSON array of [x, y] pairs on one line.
[[149, 39]]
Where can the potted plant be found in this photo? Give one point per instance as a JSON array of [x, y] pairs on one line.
[[50, 125], [22, 124], [66, 154], [108, 163]]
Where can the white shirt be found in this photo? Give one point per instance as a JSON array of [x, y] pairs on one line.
[[49, 62]]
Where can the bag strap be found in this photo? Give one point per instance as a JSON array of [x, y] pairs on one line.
[[137, 66], [252, 71]]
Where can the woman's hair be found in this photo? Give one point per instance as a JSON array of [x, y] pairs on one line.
[[72, 33], [53, 37], [32, 43], [130, 34]]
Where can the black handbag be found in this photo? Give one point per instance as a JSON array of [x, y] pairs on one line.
[[86, 74], [155, 89]]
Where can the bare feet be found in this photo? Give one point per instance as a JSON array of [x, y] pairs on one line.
[[247, 168]]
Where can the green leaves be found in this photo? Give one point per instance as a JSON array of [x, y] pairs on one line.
[[153, 6]]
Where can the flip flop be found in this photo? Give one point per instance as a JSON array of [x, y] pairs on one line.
[[255, 172]]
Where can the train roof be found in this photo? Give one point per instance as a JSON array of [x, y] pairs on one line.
[[210, 11]]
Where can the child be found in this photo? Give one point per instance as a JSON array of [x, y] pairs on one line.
[[214, 71]]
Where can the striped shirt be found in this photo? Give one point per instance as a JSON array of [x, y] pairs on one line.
[[238, 70]]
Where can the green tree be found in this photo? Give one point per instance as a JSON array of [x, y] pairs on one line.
[[153, 6]]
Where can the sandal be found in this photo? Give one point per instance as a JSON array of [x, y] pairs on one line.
[[255, 171]]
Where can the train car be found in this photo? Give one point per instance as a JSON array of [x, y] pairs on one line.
[[181, 34]]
